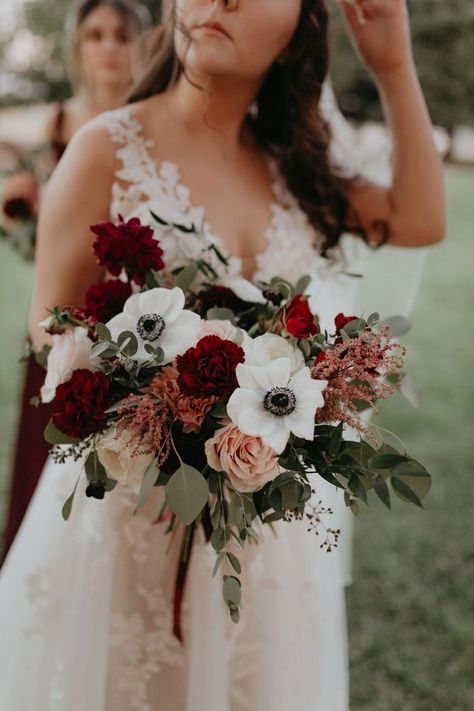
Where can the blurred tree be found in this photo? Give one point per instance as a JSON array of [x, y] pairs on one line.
[[443, 41]]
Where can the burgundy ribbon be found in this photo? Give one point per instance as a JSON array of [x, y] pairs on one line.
[[182, 572]]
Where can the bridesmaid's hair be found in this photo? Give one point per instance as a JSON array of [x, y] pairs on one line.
[[287, 121], [134, 15]]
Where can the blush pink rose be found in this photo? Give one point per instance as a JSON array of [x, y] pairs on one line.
[[248, 461]]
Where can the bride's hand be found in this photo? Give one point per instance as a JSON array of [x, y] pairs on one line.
[[380, 33]]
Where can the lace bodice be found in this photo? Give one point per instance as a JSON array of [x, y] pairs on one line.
[[292, 245]]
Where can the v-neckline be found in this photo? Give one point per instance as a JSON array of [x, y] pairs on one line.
[[277, 187]]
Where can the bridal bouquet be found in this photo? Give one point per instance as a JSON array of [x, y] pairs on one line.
[[225, 393]]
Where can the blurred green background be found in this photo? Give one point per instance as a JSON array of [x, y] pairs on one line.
[[411, 607]]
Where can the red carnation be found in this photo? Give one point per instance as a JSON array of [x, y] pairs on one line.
[[127, 245], [106, 299], [320, 357], [80, 404], [299, 320], [341, 321], [209, 368]]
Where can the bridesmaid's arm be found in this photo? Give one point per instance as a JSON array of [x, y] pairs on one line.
[[77, 196], [414, 206]]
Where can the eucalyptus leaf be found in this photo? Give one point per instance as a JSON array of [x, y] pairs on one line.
[[373, 319], [404, 492], [67, 508], [387, 461], [219, 560], [149, 480], [336, 439], [232, 590], [103, 332], [398, 325], [235, 563], [128, 343], [54, 436], [409, 390], [357, 488], [302, 284], [187, 493], [219, 539], [382, 490], [220, 314], [187, 275]]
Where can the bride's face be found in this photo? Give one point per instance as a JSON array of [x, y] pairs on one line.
[[252, 35]]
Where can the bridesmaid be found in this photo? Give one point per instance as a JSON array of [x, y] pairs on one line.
[[102, 43]]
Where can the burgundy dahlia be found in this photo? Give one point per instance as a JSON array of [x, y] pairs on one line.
[[106, 299], [80, 404], [127, 245], [209, 368]]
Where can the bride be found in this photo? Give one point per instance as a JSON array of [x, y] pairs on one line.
[[224, 131]]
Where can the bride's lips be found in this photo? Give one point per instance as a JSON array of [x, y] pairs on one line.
[[215, 27]]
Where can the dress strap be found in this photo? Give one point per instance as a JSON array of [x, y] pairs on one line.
[[133, 149]]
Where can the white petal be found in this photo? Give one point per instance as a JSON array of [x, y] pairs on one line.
[[249, 377], [244, 289], [180, 335], [122, 322], [154, 301], [240, 401], [132, 306], [175, 306], [278, 436]]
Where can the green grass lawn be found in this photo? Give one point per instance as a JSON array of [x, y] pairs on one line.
[[411, 607]]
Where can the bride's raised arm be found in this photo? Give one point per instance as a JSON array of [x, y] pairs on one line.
[[413, 208], [77, 196]]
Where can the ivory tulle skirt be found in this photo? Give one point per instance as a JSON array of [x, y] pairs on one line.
[[86, 614]]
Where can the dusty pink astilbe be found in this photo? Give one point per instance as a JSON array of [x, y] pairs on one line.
[[147, 423], [356, 370]]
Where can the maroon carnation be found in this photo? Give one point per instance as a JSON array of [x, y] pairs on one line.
[[80, 404], [320, 357], [299, 320], [127, 245], [341, 321], [209, 368], [106, 299]]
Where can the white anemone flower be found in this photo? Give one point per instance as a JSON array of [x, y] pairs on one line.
[[271, 403], [263, 350], [157, 317]]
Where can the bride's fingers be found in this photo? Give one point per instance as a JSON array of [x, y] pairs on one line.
[[353, 12]]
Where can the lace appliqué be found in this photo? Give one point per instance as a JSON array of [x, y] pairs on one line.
[[292, 244]]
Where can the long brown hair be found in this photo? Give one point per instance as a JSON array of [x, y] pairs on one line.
[[287, 121]]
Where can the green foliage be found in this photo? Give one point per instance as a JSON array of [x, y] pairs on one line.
[[442, 40]]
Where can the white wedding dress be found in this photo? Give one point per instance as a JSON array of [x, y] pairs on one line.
[[85, 605]]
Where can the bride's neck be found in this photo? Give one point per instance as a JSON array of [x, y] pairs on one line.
[[220, 106]]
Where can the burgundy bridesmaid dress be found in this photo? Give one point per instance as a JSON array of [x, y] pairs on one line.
[[31, 450]]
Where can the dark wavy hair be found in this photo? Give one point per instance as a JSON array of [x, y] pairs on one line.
[[287, 121]]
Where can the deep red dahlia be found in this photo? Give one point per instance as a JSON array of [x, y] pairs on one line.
[[340, 321], [209, 368], [106, 299], [80, 404], [299, 320], [127, 245]]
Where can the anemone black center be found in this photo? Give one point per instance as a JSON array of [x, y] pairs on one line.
[[150, 327], [280, 401]]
